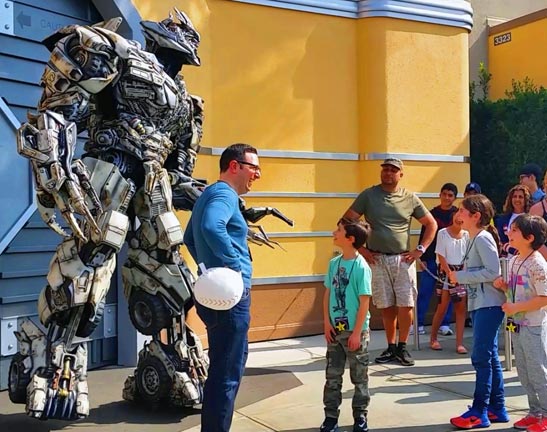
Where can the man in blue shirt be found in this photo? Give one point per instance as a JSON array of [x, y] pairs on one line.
[[216, 236], [530, 176]]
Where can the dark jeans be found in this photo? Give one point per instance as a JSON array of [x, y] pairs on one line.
[[425, 292], [228, 349], [489, 392]]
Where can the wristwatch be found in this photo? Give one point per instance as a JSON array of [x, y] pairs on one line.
[[420, 248]]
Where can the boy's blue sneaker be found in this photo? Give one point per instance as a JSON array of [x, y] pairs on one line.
[[360, 424], [329, 425], [498, 416], [471, 419]]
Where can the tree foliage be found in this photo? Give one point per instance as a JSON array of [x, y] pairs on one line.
[[506, 134]]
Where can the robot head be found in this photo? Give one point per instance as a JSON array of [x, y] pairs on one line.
[[178, 39]]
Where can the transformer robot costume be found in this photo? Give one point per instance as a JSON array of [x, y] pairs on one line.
[[144, 131]]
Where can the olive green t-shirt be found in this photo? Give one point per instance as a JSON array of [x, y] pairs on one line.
[[389, 215]]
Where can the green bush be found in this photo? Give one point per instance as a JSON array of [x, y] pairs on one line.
[[506, 134]]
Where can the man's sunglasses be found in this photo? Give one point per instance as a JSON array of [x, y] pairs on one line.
[[255, 168]]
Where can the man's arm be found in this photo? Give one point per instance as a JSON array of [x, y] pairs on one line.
[[219, 210], [189, 241], [430, 225], [351, 215]]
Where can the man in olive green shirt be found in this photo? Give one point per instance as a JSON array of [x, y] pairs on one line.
[[389, 210]]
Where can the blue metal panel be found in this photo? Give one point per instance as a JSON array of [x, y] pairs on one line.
[[18, 199], [23, 48], [19, 93], [76, 9], [37, 24], [41, 236], [21, 70], [12, 289]]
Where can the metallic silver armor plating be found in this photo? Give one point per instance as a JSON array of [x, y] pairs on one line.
[[144, 131]]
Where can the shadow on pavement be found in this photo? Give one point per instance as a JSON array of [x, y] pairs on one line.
[[348, 428]]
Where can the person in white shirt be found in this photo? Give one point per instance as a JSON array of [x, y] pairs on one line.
[[451, 251]]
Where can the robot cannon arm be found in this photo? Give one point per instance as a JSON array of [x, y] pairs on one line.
[[48, 140], [186, 190], [256, 233], [254, 214]]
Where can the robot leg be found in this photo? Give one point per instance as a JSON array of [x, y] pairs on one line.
[[47, 375], [51, 366], [172, 368], [172, 373]]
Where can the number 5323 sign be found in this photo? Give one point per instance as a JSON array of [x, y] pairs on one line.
[[503, 38]]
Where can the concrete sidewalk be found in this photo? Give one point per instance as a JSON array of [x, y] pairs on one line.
[[282, 391]]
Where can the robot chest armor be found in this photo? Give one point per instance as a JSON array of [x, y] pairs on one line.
[[148, 90]]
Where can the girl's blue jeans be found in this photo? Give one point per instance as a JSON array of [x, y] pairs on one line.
[[489, 392]]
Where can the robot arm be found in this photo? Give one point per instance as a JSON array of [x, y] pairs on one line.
[[82, 64], [48, 140], [186, 189]]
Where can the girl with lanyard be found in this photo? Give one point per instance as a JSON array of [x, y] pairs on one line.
[[527, 316], [481, 268]]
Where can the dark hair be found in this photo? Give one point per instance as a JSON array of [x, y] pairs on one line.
[[508, 206], [531, 169], [452, 211], [234, 152], [450, 187], [359, 230], [532, 225], [480, 204]]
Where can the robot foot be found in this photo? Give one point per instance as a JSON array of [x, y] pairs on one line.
[[46, 400], [163, 378]]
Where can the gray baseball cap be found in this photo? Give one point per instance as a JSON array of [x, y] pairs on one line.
[[397, 163]]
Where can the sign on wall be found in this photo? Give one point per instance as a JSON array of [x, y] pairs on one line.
[[502, 38]]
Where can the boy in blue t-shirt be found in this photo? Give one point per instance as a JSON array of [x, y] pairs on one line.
[[346, 317]]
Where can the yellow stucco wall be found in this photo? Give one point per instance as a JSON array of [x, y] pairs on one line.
[[413, 94], [516, 59], [288, 80]]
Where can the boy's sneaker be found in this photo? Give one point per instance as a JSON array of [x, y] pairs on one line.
[[387, 356], [404, 357], [329, 425], [445, 331], [471, 419], [360, 424], [498, 416], [526, 422]]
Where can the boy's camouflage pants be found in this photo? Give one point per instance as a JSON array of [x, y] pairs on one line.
[[337, 353]]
